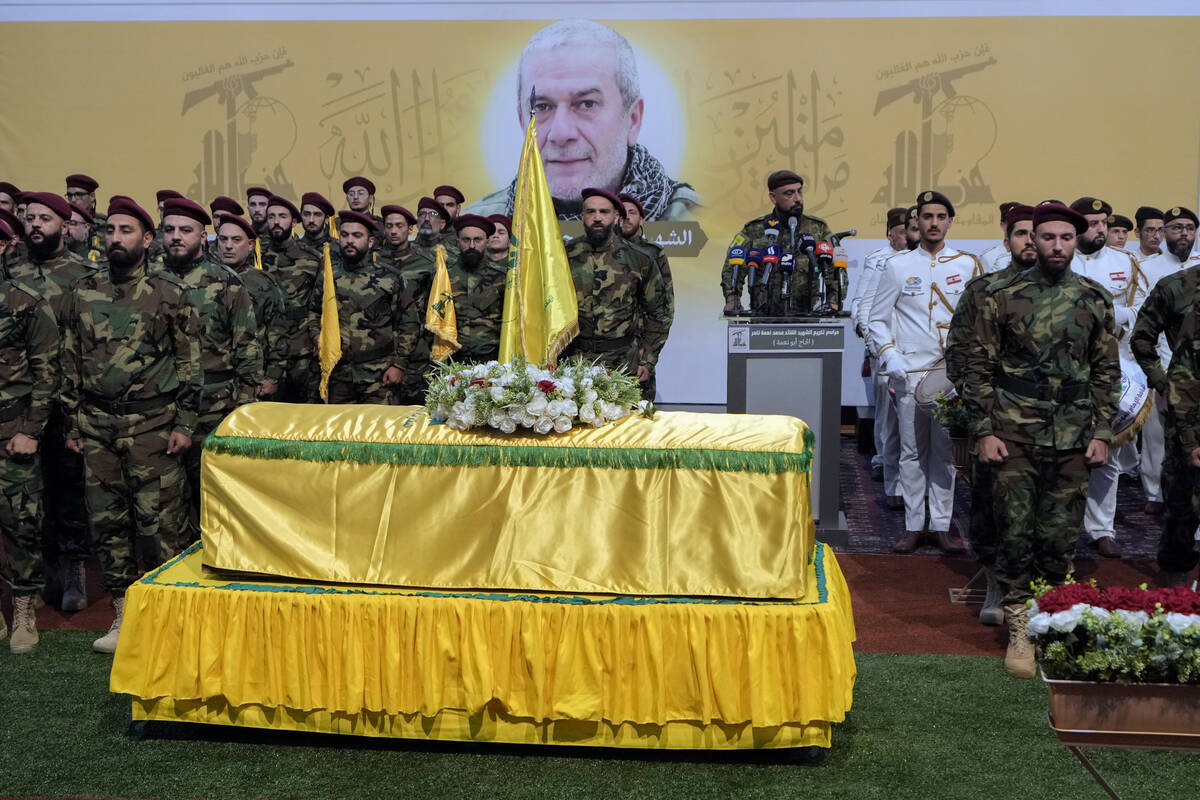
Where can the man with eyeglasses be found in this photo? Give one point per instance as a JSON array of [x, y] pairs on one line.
[[432, 221], [360, 197], [1149, 232], [81, 193]]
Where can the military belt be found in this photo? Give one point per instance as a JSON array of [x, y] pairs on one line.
[[1063, 393], [294, 312], [590, 345], [120, 407], [219, 376], [370, 354], [14, 407]]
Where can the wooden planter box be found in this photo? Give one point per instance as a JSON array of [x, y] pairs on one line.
[[1151, 716]]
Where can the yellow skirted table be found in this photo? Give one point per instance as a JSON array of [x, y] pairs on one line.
[[707, 505], [574, 669]]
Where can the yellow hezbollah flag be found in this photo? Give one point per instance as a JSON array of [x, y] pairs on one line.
[[329, 342], [439, 314], [541, 314], [257, 254]]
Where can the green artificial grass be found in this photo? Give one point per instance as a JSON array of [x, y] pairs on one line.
[[921, 726]]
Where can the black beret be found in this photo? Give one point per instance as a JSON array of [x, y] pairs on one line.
[[783, 177], [81, 181], [234, 219], [358, 180], [1057, 212], [912, 212], [409, 217], [474, 221], [182, 207], [1179, 212], [1004, 207], [931, 198], [896, 216], [592, 191], [1091, 205], [1146, 212], [1120, 221]]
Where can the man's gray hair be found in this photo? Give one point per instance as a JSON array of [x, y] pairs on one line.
[[572, 33]]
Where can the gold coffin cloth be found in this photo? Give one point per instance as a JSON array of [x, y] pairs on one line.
[[707, 505], [519, 668]]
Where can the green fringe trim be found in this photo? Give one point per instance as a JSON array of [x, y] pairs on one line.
[[424, 455]]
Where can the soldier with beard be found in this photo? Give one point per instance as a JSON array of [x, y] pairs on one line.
[[17, 251], [52, 271], [132, 385], [296, 271], [81, 193], [315, 213], [235, 242], [377, 315], [432, 220], [631, 230], [773, 230], [78, 235], [257, 198], [158, 247], [960, 340], [29, 380], [478, 290], [416, 269], [8, 198], [229, 351], [624, 306], [452, 200]]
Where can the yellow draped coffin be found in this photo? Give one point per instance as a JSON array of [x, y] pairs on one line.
[[704, 505]]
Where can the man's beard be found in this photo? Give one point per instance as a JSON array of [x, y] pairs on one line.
[[598, 236], [48, 246], [1026, 262], [1181, 248], [912, 244], [352, 256], [1089, 246], [123, 260], [279, 235], [183, 259], [314, 231], [471, 258], [796, 211]]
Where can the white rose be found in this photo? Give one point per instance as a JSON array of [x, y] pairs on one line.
[[562, 424], [1135, 617], [1181, 622], [585, 383], [497, 393], [497, 417], [570, 408], [554, 408], [567, 387], [587, 413], [507, 425], [537, 405], [1039, 624], [1065, 621], [543, 425]]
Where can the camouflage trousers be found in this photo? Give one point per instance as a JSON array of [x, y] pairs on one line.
[[1181, 511], [360, 383], [21, 522], [1039, 495], [219, 402], [983, 510], [299, 384], [412, 391], [65, 527], [135, 500]]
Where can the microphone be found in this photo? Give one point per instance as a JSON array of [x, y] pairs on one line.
[[836, 238], [792, 223], [770, 258], [824, 253], [736, 259], [753, 264]]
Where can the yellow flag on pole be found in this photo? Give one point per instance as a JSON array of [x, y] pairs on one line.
[[541, 313], [439, 314], [257, 254], [329, 342]]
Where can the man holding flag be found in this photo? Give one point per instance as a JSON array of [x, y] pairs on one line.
[[467, 297]]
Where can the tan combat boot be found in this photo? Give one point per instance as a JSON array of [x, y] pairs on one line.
[[1019, 660], [24, 632], [108, 642]]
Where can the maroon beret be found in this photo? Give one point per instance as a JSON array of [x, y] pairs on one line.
[[1120, 221], [9, 189], [163, 195], [449, 191], [1091, 205], [434, 205], [81, 181], [5, 231], [783, 177], [358, 180], [257, 191], [121, 204], [931, 198], [1004, 207], [1146, 212], [283, 202], [182, 207], [347, 215], [234, 219], [10, 219], [896, 216], [625, 197], [19, 198], [500, 219], [1017, 212], [55, 202], [592, 191], [1179, 212], [387, 211], [83, 212], [474, 221], [1057, 212], [226, 204], [317, 200]]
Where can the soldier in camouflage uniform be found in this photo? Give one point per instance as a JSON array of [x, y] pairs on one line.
[[257, 198], [132, 384], [158, 247], [220, 206], [631, 229], [51, 271], [416, 269], [478, 286], [29, 381], [786, 190], [79, 235], [315, 215], [297, 272], [81, 193], [8, 199], [229, 351], [623, 302], [360, 197], [17, 250], [1042, 386], [960, 340], [434, 228], [377, 316], [452, 200], [1177, 555], [235, 240]]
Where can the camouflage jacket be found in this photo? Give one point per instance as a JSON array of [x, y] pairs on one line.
[[377, 315], [417, 272], [268, 302], [158, 247], [1042, 367], [296, 272], [134, 342], [478, 307], [427, 246], [623, 301], [753, 235], [52, 278], [961, 336], [315, 245], [229, 350], [30, 369], [86, 251], [98, 233], [652, 346], [1183, 395], [1163, 313]]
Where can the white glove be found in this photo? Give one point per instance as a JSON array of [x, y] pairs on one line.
[[895, 365]]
